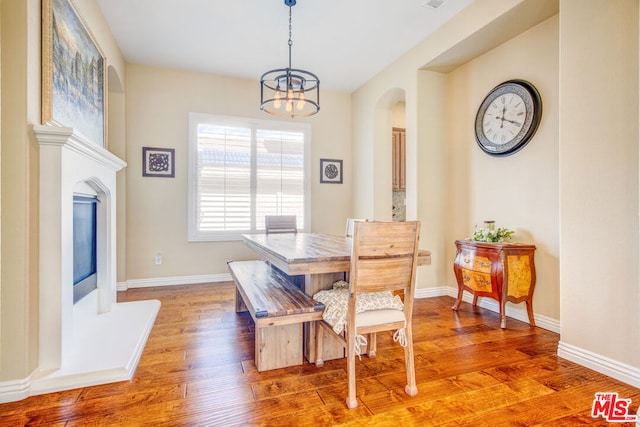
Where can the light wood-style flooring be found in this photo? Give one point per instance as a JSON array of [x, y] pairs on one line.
[[197, 370]]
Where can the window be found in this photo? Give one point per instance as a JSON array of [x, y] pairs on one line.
[[243, 169]]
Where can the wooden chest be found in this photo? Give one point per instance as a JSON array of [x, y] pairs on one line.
[[502, 271]]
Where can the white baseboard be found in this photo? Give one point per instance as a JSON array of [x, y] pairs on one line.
[[172, 281], [513, 311], [433, 292], [612, 368], [12, 391]]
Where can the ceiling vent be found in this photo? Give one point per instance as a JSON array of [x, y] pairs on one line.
[[433, 4]]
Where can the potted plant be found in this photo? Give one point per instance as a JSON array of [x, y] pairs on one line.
[[489, 233]]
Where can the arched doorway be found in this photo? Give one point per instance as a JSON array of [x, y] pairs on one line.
[[390, 199]]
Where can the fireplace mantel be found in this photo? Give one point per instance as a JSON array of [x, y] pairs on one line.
[[65, 137], [71, 355]]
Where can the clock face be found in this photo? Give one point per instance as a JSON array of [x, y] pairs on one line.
[[508, 117]]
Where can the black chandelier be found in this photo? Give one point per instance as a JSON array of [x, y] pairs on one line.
[[289, 92]]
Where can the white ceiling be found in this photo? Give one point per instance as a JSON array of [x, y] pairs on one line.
[[343, 42]]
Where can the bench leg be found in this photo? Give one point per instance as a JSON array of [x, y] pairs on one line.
[[278, 346], [240, 305]]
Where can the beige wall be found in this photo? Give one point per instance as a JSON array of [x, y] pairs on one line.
[[518, 191], [0, 183], [20, 106], [398, 114], [158, 102], [433, 182], [599, 235]]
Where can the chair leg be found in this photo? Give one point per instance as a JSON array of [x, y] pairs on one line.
[[352, 401], [411, 389], [372, 345], [319, 336]]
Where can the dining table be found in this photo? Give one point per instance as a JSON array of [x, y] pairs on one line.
[[322, 259]]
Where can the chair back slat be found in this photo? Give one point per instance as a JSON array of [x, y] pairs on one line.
[[386, 238], [374, 275], [384, 256], [280, 224]]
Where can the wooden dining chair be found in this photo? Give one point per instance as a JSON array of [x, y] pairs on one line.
[[348, 232], [384, 258], [280, 224]]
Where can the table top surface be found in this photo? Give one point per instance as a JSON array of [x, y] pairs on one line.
[[292, 250], [302, 247]]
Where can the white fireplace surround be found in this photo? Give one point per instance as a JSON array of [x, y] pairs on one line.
[[97, 340]]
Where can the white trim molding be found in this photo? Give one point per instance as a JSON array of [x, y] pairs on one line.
[[172, 281], [12, 391], [432, 292], [612, 368]]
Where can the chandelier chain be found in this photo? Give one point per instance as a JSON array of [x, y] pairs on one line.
[[290, 42]]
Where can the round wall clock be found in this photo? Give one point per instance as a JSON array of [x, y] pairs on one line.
[[508, 117]]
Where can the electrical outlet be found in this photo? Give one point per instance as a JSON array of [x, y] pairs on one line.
[[158, 259]]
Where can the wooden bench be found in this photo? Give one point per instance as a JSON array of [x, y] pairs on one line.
[[278, 309]]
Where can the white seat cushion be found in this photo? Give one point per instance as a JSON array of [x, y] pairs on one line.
[[378, 317]]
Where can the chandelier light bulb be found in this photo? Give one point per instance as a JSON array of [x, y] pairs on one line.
[[300, 104], [277, 103], [289, 107]]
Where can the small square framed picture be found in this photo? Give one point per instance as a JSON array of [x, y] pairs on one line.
[[158, 162], [330, 171]]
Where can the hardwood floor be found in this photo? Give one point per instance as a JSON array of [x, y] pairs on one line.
[[197, 370]]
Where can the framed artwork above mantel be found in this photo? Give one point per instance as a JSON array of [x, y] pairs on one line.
[[73, 73]]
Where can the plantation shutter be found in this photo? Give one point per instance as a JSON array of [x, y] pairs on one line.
[[241, 170], [279, 175], [224, 178]]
